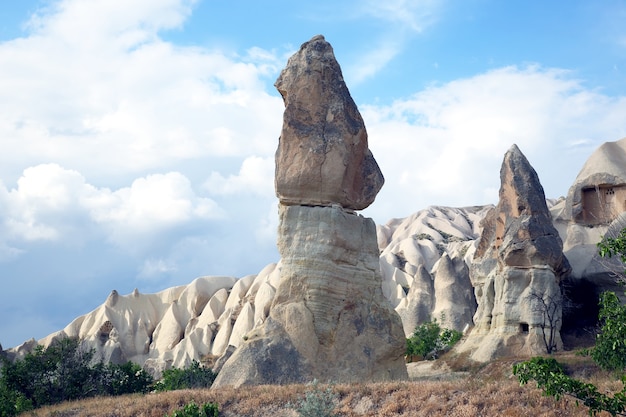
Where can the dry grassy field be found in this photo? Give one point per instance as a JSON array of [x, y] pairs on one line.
[[489, 390]]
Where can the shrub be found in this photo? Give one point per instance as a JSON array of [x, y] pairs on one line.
[[318, 402], [195, 376], [126, 378], [610, 350], [429, 340], [61, 372], [193, 410], [549, 376]]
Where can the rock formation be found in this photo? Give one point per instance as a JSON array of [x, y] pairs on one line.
[[425, 262], [322, 155], [328, 320], [592, 209], [517, 267]]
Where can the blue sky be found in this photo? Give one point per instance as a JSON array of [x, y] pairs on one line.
[[137, 137]]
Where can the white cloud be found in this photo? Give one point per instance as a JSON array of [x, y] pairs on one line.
[[445, 145], [93, 88], [256, 175], [413, 15], [51, 203], [401, 21]]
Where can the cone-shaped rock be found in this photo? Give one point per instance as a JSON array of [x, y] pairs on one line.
[[323, 156], [598, 195], [517, 269], [329, 319]]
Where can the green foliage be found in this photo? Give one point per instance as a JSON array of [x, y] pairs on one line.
[[64, 371], [549, 376], [613, 246], [126, 378], [429, 340], [610, 350], [317, 402], [195, 376], [193, 410]]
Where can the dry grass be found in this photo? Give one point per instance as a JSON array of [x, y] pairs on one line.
[[489, 390]]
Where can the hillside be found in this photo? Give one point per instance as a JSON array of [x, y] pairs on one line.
[[488, 390]]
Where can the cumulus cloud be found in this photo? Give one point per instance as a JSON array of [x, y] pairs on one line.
[[445, 144], [256, 175], [93, 88], [51, 203]]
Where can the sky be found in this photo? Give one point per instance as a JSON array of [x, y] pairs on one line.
[[137, 137]]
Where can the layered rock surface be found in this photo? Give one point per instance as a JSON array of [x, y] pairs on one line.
[[594, 207], [322, 155], [329, 320], [518, 265]]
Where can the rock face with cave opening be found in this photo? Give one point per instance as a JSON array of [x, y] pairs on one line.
[[329, 319], [517, 268]]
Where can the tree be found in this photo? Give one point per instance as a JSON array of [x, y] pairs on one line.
[[549, 375], [613, 244], [549, 306], [64, 371], [609, 351], [194, 376], [429, 340]]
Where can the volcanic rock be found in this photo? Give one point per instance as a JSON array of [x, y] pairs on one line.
[[518, 265], [323, 156], [329, 319]]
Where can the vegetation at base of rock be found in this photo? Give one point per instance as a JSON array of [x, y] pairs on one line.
[[429, 340], [194, 376], [549, 376], [610, 349], [318, 402], [487, 390], [192, 409], [63, 372], [609, 352]]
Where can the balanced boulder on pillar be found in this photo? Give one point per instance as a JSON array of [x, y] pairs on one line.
[[329, 319]]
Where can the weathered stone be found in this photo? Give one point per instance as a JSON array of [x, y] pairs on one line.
[[518, 264], [419, 302], [455, 304], [598, 194], [329, 316], [323, 156]]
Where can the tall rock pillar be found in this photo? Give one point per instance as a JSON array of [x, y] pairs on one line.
[[517, 268], [329, 320]]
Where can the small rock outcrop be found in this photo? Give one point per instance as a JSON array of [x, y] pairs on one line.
[[598, 194], [329, 319], [593, 208], [517, 268]]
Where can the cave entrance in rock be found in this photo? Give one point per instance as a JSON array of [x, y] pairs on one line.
[[523, 327], [602, 203]]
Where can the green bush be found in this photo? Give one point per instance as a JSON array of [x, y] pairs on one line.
[[127, 378], [317, 402], [193, 410], [429, 340], [195, 376], [549, 376], [610, 349], [61, 372]]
